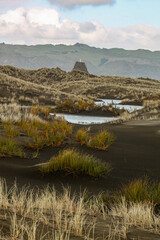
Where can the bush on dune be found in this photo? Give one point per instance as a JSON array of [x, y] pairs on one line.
[[75, 162], [101, 140]]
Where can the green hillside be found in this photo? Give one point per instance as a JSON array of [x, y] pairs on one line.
[[115, 62]]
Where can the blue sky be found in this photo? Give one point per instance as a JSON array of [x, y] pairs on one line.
[[129, 24]]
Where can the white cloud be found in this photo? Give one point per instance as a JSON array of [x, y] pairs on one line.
[[44, 26], [12, 3], [41, 17], [72, 3]]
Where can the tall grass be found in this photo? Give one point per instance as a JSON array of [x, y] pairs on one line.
[[46, 215], [75, 162], [101, 140], [9, 148]]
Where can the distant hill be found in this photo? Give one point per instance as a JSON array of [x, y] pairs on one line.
[[114, 62], [52, 85]]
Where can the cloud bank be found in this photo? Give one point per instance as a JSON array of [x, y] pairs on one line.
[[44, 26], [73, 3], [12, 3]]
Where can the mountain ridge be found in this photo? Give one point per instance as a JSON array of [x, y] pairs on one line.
[[99, 61]]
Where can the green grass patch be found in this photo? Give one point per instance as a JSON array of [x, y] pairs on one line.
[[45, 133], [101, 140], [9, 148], [140, 190], [75, 162]]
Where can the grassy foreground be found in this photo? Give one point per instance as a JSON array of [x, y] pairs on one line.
[[28, 215]]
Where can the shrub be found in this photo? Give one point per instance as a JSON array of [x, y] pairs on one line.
[[74, 162], [9, 148], [100, 140]]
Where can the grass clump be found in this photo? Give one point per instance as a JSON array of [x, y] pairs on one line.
[[82, 136], [9, 148], [10, 129], [46, 133], [140, 190], [74, 162], [101, 140]]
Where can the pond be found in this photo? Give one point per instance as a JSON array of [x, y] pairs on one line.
[[86, 120], [116, 103], [80, 119]]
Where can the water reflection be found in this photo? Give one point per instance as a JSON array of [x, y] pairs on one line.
[[86, 120], [116, 103]]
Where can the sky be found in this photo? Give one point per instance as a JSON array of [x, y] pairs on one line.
[[128, 24]]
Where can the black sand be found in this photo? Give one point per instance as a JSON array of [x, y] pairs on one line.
[[134, 154]]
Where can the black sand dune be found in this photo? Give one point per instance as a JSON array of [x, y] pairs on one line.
[[134, 154]]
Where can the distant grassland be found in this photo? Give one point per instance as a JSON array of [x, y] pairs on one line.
[[51, 86]]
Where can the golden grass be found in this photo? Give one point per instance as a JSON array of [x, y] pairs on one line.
[[47, 215], [101, 140]]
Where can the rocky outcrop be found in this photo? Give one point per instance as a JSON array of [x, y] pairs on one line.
[[80, 66]]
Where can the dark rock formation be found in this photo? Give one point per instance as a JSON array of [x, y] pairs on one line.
[[80, 66]]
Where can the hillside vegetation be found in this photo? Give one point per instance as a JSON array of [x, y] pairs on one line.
[[115, 62], [50, 86]]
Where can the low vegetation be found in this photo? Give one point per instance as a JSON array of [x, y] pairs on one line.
[[75, 106], [141, 190], [101, 140], [85, 106], [45, 133], [51, 86], [41, 111], [9, 148], [9, 129], [75, 162]]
